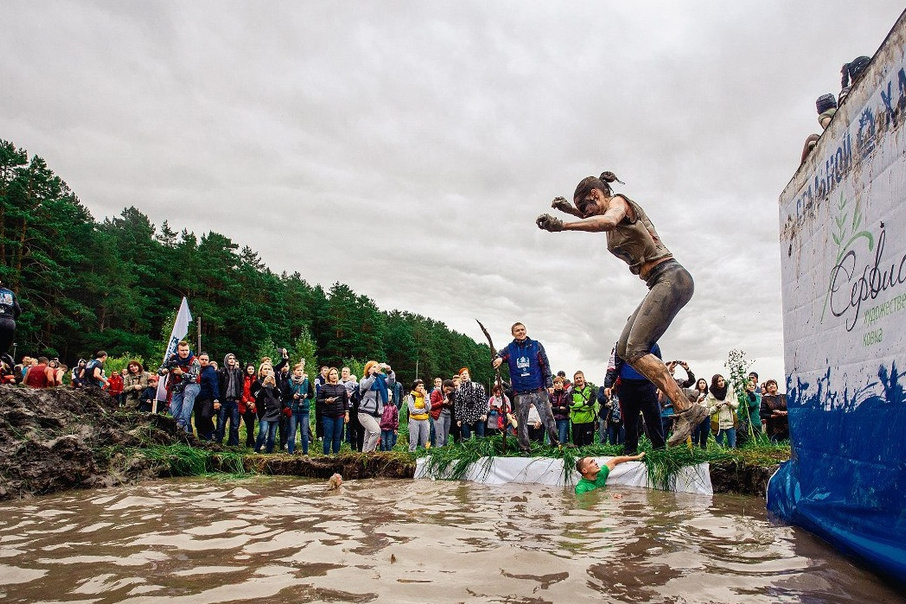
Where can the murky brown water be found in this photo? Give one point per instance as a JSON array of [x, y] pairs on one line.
[[279, 540]]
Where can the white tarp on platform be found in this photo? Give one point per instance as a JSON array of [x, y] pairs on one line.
[[548, 471]]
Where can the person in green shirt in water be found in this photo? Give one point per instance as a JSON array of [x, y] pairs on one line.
[[594, 476]]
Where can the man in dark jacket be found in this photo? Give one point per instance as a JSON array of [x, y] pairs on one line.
[[208, 395], [231, 379], [530, 373], [637, 395]]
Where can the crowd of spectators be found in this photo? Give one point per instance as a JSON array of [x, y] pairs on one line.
[[278, 407]]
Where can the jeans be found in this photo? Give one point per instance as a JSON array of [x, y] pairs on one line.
[[467, 429], [730, 434], [442, 428], [182, 403], [616, 434], [701, 432], [432, 435], [542, 403], [269, 430], [299, 419], [229, 410], [388, 440], [563, 430], [666, 424], [333, 433]]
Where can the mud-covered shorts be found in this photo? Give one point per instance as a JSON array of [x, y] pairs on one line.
[[670, 288]]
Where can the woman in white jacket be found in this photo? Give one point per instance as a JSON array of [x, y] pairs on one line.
[[721, 401]]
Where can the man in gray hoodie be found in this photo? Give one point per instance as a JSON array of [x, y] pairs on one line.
[[227, 408]]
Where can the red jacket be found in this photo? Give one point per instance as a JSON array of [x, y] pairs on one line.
[[115, 382], [247, 398]]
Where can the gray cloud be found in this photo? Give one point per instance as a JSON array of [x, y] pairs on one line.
[[430, 136]]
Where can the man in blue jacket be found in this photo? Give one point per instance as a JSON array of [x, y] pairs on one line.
[[530, 374]]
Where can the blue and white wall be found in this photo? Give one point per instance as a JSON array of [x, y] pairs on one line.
[[843, 246]]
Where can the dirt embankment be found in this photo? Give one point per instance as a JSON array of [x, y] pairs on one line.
[[59, 438], [733, 476]]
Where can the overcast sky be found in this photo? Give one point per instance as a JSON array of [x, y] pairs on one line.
[[405, 148]]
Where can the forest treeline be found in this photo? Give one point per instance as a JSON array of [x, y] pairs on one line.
[[115, 285]]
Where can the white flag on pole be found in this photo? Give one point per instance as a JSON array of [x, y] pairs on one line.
[[180, 329]]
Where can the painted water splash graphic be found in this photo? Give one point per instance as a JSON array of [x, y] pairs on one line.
[[887, 389]]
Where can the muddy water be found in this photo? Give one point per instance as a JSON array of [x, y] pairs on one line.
[[279, 540]]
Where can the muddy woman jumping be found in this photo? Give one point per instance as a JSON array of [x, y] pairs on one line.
[[631, 237]]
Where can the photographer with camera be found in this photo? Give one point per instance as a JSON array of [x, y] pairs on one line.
[[375, 387], [667, 410], [184, 382]]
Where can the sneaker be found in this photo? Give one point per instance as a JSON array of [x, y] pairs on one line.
[[685, 422]]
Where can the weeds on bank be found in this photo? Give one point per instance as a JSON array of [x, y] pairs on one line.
[[183, 460]]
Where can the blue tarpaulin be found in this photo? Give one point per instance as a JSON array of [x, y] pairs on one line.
[[846, 480]]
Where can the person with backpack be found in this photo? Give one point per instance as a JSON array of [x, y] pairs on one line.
[[93, 373]]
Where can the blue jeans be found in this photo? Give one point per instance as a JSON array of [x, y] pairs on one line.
[[333, 433], [182, 403], [388, 440], [701, 432], [298, 419], [616, 434], [730, 433], [563, 430], [478, 427], [229, 410], [269, 430]]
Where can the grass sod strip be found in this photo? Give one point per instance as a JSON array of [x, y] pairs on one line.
[[453, 461]]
